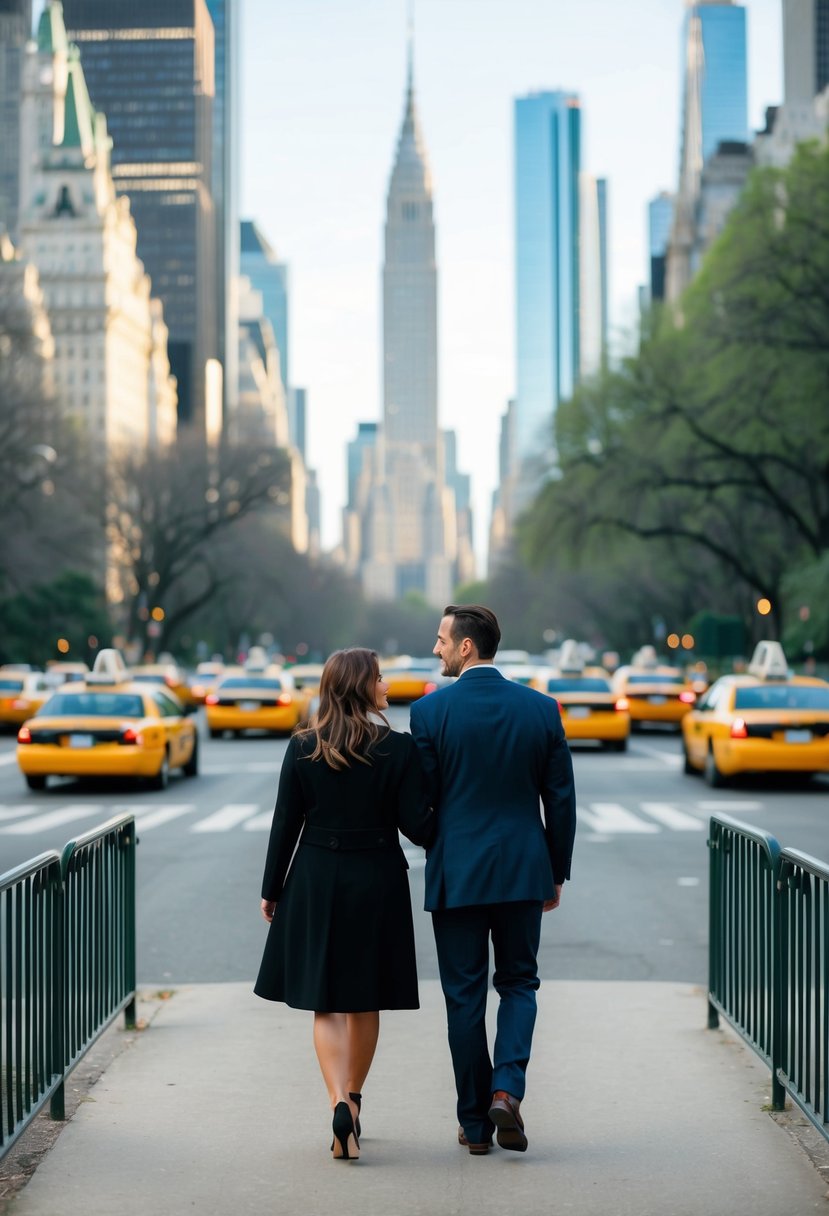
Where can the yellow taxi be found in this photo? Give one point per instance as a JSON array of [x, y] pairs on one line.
[[590, 710], [108, 726], [260, 699], [204, 679], [22, 694], [766, 721], [410, 681], [655, 693], [168, 674]]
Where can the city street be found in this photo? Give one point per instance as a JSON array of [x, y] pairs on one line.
[[635, 910]]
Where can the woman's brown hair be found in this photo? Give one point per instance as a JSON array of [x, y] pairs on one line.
[[341, 727]]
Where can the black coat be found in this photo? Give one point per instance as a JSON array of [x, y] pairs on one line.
[[341, 939]]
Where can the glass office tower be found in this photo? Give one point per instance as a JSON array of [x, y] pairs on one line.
[[225, 184], [723, 86], [259, 263], [149, 65], [547, 166]]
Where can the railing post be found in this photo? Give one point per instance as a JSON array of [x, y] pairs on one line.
[[130, 965], [780, 973], [713, 920], [57, 1103]]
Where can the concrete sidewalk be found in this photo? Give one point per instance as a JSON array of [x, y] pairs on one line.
[[633, 1108]]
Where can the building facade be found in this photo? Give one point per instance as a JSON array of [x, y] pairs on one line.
[[259, 263], [15, 30], [714, 111], [660, 223], [149, 66], [111, 369], [804, 113]]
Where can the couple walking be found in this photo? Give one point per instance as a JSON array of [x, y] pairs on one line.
[[466, 784]]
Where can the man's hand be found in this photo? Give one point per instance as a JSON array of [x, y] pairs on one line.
[[268, 908], [549, 904]]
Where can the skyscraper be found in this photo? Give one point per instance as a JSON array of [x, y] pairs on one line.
[[714, 111], [660, 220], [15, 28], [259, 262], [805, 49], [402, 532], [547, 274], [149, 65], [225, 184]]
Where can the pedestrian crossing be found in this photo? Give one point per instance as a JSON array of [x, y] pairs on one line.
[[598, 821]]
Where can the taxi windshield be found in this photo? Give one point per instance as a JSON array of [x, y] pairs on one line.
[[250, 682], [583, 684], [11, 685], [783, 696], [93, 705], [656, 677]]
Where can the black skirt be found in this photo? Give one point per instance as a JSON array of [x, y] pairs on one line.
[[342, 940]]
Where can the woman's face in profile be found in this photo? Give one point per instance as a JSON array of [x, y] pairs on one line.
[[381, 693]]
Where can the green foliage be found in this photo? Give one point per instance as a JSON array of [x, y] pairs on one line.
[[806, 594], [70, 607], [709, 450]]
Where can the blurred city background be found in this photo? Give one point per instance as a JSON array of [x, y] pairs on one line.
[[174, 481]]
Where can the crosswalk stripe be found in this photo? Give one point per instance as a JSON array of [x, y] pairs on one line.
[[226, 818], [9, 758], [259, 823], [52, 819], [723, 804], [612, 817], [163, 815], [670, 817], [17, 812]]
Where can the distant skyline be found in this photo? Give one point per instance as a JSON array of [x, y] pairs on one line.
[[323, 95]]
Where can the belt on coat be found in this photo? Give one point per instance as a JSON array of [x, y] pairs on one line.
[[349, 838]]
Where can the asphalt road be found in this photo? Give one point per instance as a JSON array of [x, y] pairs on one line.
[[635, 910]]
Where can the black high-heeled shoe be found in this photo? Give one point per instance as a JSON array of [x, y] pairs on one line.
[[357, 1099], [345, 1146]]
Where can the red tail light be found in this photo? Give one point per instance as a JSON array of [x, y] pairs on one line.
[[130, 735], [284, 698], [739, 729], [21, 703], [211, 699], [24, 735], [687, 697], [623, 705]]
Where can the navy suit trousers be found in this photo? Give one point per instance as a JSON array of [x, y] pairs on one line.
[[462, 939]]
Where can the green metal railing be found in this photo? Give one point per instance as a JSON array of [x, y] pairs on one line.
[[769, 958], [30, 1067], [802, 1061], [67, 966]]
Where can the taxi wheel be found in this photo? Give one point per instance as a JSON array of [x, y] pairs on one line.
[[713, 776], [617, 745], [216, 734], [191, 768], [36, 783], [162, 778], [687, 766]]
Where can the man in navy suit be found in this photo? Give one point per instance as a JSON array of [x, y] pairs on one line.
[[493, 752]]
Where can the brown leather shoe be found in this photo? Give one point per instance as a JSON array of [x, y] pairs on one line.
[[476, 1150], [508, 1122]]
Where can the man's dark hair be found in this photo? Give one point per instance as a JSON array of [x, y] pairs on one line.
[[477, 623]]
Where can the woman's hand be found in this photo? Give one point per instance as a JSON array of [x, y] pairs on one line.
[[268, 908]]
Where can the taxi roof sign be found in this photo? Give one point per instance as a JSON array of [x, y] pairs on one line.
[[109, 668], [768, 662], [570, 658], [645, 657]]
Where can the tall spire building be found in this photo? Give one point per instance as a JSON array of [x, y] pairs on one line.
[[408, 533]]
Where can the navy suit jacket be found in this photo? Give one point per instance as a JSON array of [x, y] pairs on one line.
[[493, 751]]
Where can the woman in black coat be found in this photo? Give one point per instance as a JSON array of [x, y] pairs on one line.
[[341, 940]]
